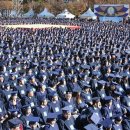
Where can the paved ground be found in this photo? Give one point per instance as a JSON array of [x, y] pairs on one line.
[[37, 26]]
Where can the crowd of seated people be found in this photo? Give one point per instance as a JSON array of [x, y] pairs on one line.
[[64, 79]]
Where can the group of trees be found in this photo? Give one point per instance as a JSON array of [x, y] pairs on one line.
[[56, 6]]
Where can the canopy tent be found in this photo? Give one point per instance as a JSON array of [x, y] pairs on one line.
[[46, 14], [65, 14], [0, 14], [29, 14], [13, 13], [89, 14]]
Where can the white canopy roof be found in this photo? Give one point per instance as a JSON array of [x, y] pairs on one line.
[[65, 14], [13, 13], [0, 14], [29, 14], [89, 14], [45, 14]]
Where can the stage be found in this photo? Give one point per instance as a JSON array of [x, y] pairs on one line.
[[40, 26]]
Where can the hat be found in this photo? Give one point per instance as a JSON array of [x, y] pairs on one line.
[[42, 98], [111, 75], [26, 107], [29, 89], [116, 93], [86, 86], [85, 66], [68, 92], [76, 90], [102, 82], [13, 111], [67, 109], [13, 123], [42, 85], [108, 98], [107, 123], [96, 99], [14, 93], [52, 116], [33, 119], [53, 94], [118, 117], [95, 118]]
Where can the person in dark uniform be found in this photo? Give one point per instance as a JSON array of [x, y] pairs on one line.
[[69, 101], [42, 110], [51, 122], [55, 104], [107, 124], [62, 88], [117, 125], [42, 92], [30, 98], [66, 120], [86, 94], [15, 124], [21, 87], [33, 123], [27, 112], [107, 110], [96, 107], [14, 102], [126, 121]]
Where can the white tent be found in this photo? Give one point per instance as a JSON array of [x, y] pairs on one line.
[[0, 14], [89, 14], [13, 13], [29, 14], [46, 14], [65, 14]]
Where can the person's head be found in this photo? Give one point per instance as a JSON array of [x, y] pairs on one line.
[[21, 81], [128, 92], [68, 95], [12, 77], [117, 95], [33, 122], [96, 102], [87, 88], [14, 124], [55, 97], [7, 86], [43, 101], [67, 112], [1, 78], [42, 87], [74, 79], [33, 125], [27, 109], [107, 124], [30, 92], [15, 128], [51, 118], [118, 119], [32, 79], [14, 95], [108, 100]]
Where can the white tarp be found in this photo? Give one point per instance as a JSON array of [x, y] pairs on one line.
[[46, 14], [29, 14], [65, 14], [0, 14], [89, 14], [13, 13]]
